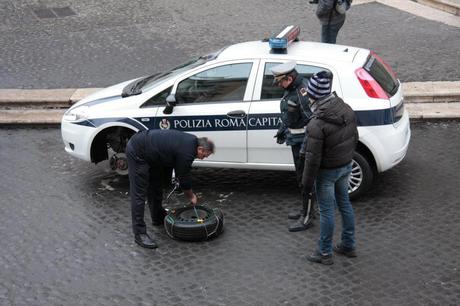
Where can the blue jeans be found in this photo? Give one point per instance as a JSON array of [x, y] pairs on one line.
[[329, 32], [332, 191]]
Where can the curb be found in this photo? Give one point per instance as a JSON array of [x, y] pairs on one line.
[[445, 11], [448, 6], [423, 100]]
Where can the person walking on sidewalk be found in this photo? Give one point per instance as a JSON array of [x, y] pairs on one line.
[[332, 138], [149, 153], [331, 20], [295, 114]]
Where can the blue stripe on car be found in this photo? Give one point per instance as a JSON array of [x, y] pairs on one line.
[[225, 123], [100, 121]]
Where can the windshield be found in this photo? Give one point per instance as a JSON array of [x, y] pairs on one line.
[[160, 78]]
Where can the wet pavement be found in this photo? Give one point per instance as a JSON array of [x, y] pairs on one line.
[[66, 234], [106, 42]]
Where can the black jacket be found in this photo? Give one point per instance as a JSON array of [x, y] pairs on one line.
[[295, 111], [332, 137], [327, 14], [168, 149]]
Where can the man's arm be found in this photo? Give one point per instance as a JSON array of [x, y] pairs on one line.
[[313, 156], [182, 168], [191, 196]]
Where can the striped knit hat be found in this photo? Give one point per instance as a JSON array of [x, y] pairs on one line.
[[319, 85]]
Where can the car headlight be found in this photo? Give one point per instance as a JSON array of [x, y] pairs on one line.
[[76, 114]]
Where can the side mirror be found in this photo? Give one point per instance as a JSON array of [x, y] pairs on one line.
[[170, 103]]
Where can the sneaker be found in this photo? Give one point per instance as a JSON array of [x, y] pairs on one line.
[[339, 249], [320, 258]]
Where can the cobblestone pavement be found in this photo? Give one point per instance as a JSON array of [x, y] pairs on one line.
[[66, 235], [105, 42]]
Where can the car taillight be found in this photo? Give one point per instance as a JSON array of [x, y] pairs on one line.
[[370, 86]]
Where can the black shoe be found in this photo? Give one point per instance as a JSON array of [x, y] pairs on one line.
[[159, 220], [339, 249], [320, 258], [294, 215], [300, 224], [145, 241]]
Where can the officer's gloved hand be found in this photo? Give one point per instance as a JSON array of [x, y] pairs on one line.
[[307, 192], [280, 137], [302, 153]]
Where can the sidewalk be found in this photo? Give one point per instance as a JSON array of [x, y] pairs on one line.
[[423, 100]]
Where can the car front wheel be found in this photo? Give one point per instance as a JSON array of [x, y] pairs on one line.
[[361, 176]]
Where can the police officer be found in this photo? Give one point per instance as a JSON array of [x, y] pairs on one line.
[[295, 114], [149, 154]]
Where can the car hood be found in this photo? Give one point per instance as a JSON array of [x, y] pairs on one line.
[[104, 95]]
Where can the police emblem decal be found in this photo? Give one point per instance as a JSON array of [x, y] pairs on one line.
[[164, 124], [303, 91]]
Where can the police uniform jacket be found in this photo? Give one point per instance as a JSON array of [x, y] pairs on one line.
[[295, 112], [332, 137], [169, 149]]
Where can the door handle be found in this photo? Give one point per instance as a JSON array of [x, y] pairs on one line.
[[237, 114]]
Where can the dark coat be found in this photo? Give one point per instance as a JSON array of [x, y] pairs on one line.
[[168, 149], [295, 112], [327, 14], [332, 137]]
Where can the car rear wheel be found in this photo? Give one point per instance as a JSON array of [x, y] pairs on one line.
[[361, 176]]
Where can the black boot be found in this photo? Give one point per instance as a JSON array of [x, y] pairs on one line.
[[305, 220], [301, 224], [145, 241], [294, 215]]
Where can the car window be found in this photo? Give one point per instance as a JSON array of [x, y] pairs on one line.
[[223, 83], [270, 91], [158, 99]]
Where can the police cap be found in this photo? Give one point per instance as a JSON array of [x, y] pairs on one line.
[[282, 70]]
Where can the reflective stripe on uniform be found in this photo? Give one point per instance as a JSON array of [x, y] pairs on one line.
[[297, 131]]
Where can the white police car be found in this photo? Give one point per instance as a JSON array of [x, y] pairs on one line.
[[229, 97]]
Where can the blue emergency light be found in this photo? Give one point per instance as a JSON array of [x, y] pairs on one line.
[[280, 42]]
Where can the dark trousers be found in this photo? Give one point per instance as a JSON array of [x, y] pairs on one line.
[[145, 181], [307, 206], [298, 162], [329, 32]]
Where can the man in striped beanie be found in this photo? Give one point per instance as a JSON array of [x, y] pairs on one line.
[[332, 137], [319, 85]]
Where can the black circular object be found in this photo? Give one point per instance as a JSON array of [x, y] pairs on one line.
[[194, 223]]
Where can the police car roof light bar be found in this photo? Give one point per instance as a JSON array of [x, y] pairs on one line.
[[280, 42]]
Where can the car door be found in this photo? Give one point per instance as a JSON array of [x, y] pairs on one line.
[[264, 118], [214, 102]]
